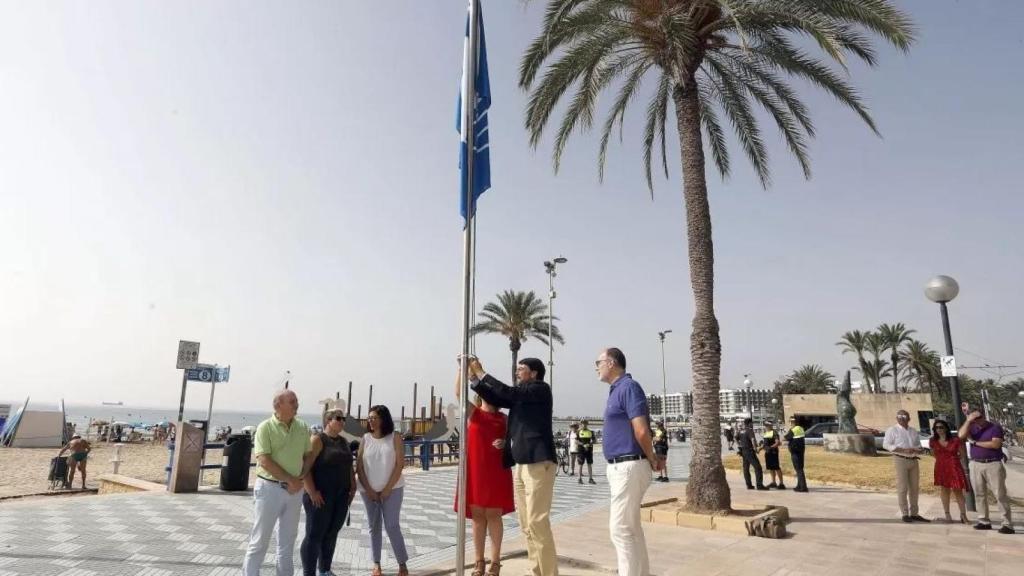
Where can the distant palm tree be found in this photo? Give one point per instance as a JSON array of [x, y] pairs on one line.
[[894, 336], [517, 316], [709, 58], [810, 379], [921, 366], [877, 367], [855, 341]]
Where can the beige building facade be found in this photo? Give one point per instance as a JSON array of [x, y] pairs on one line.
[[873, 410]]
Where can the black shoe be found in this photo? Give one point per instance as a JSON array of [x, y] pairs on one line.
[[581, 480], [1006, 530], [798, 489], [591, 481], [773, 485], [907, 519], [981, 526], [919, 518], [762, 488], [749, 487], [781, 486]]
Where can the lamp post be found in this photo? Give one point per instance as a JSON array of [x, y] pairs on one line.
[[664, 377], [750, 402], [775, 411], [550, 265], [943, 289]]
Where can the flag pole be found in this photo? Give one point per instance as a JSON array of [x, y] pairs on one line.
[[469, 69]]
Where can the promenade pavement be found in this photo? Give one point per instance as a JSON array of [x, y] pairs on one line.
[[835, 531], [205, 534]]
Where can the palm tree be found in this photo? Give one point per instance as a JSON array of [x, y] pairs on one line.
[[517, 316], [878, 368], [894, 336], [810, 379], [709, 57], [854, 341], [921, 366]]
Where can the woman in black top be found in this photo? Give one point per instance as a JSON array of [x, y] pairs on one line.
[[330, 487]]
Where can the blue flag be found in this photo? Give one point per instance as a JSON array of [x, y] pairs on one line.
[[481, 138]]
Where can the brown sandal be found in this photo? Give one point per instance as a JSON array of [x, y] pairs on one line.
[[495, 569], [478, 568], [376, 571], [403, 570]]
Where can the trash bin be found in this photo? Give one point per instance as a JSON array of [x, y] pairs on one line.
[[234, 472]]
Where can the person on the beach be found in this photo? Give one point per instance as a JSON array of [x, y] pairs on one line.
[[489, 492], [661, 450], [730, 436], [629, 450], [282, 449], [530, 445], [573, 438], [771, 441], [948, 473], [330, 487], [586, 451], [382, 486], [79, 448]]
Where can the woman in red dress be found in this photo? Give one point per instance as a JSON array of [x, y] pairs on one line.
[[488, 482], [949, 474]]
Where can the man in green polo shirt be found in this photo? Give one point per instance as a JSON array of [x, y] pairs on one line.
[[282, 459]]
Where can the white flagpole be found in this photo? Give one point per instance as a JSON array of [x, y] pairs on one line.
[[469, 68]]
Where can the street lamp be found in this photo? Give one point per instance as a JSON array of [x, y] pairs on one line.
[[943, 289], [664, 378], [550, 265], [750, 402], [775, 411]]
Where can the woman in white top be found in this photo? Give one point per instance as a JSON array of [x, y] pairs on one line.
[[379, 467]]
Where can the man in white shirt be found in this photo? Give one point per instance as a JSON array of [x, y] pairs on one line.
[[574, 447], [904, 443]]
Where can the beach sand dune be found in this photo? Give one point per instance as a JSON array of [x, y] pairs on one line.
[[24, 470]]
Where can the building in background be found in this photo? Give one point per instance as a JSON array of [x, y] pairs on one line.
[[678, 406]]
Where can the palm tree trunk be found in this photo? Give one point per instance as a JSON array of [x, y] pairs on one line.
[[707, 489], [514, 346], [895, 372]]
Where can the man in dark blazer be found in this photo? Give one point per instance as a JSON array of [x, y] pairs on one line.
[[530, 445]]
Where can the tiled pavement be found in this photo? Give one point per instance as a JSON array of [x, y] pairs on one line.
[[205, 534]]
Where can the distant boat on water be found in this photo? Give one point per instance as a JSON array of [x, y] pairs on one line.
[[113, 403]]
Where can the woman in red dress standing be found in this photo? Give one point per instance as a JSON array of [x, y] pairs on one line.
[[949, 474], [488, 481]]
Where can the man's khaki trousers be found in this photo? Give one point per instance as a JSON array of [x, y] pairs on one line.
[[990, 477], [907, 483], [535, 487]]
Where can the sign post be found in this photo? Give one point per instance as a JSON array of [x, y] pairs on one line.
[[188, 358], [948, 366]]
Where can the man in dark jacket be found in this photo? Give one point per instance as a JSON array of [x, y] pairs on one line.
[[530, 445]]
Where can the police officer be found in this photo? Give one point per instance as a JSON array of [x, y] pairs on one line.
[[795, 438], [585, 445]]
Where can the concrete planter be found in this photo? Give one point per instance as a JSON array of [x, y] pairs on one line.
[[863, 444]]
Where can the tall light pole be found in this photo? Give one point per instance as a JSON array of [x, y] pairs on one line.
[[943, 289], [550, 266], [664, 378], [750, 401]]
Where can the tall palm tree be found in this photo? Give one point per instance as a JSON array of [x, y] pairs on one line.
[[855, 341], [878, 368], [709, 58], [517, 316], [921, 366], [894, 336]]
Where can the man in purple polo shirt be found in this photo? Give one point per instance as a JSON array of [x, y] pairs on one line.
[[629, 450], [987, 470]]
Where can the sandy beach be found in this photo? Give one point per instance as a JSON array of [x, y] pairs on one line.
[[24, 470]]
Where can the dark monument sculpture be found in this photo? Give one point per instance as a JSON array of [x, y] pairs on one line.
[[845, 409]]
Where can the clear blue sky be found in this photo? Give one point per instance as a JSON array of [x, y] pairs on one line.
[[279, 181]]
